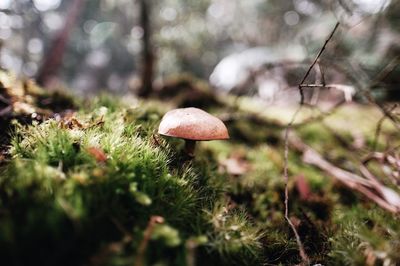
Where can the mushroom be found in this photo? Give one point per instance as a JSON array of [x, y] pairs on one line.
[[192, 124]]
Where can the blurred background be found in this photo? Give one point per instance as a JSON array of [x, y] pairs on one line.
[[255, 47]]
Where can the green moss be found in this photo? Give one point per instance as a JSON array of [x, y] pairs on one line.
[[82, 189], [57, 182], [365, 237], [236, 241]]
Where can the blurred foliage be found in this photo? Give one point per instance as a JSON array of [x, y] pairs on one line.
[[193, 36]]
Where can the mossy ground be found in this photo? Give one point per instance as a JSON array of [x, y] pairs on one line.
[[81, 188]]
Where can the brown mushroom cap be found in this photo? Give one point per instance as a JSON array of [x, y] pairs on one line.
[[193, 124]]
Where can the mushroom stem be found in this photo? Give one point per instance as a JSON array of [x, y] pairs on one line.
[[190, 146]]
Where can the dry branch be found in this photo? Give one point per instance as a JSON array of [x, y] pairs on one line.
[[347, 90], [303, 255], [389, 68], [54, 57], [387, 161], [370, 187], [315, 61], [379, 127], [258, 119], [367, 94], [148, 53], [139, 261]]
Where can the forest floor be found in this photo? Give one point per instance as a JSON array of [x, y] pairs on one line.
[[92, 183]]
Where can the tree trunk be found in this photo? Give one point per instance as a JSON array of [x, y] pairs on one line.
[[147, 56], [53, 59]]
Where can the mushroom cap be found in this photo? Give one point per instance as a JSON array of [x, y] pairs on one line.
[[192, 123]]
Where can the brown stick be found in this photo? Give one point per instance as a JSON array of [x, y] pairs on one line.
[[379, 127], [389, 68], [303, 254], [148, 56], [367, 94], [54, 58], [274, 123], [191, 252], [146, 237], [315, 61], [368, 187], [386, 159]]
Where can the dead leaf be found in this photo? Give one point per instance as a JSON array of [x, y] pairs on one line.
[[295, 221], [303, 187], [236, 166], [71, 122], [370, 257], [97, 153]]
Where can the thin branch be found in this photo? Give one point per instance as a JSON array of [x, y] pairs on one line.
[[4, 100], [54, 57], [6, 110], [389, 68], [139, 261], [190, 246], [386, 160], [388, 199], [315, 61], [379, 128], [273, 123], [345, 6], [367, 94], [322, 72], [328, 86], [302, 252], [303, 255], [320, 78]]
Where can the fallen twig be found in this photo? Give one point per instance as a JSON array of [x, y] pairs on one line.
[[371, 187], [315, 61], [303, 255], [274, 123], [379, 127], [348, 91], [302, 252], [367, 94], [146, 237], [389, 68], [4, 100], [387, 161], [6, 111], [113, 247]]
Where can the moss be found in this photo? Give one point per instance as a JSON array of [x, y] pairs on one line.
[[72, 178], [81, 187], [365, 237]]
